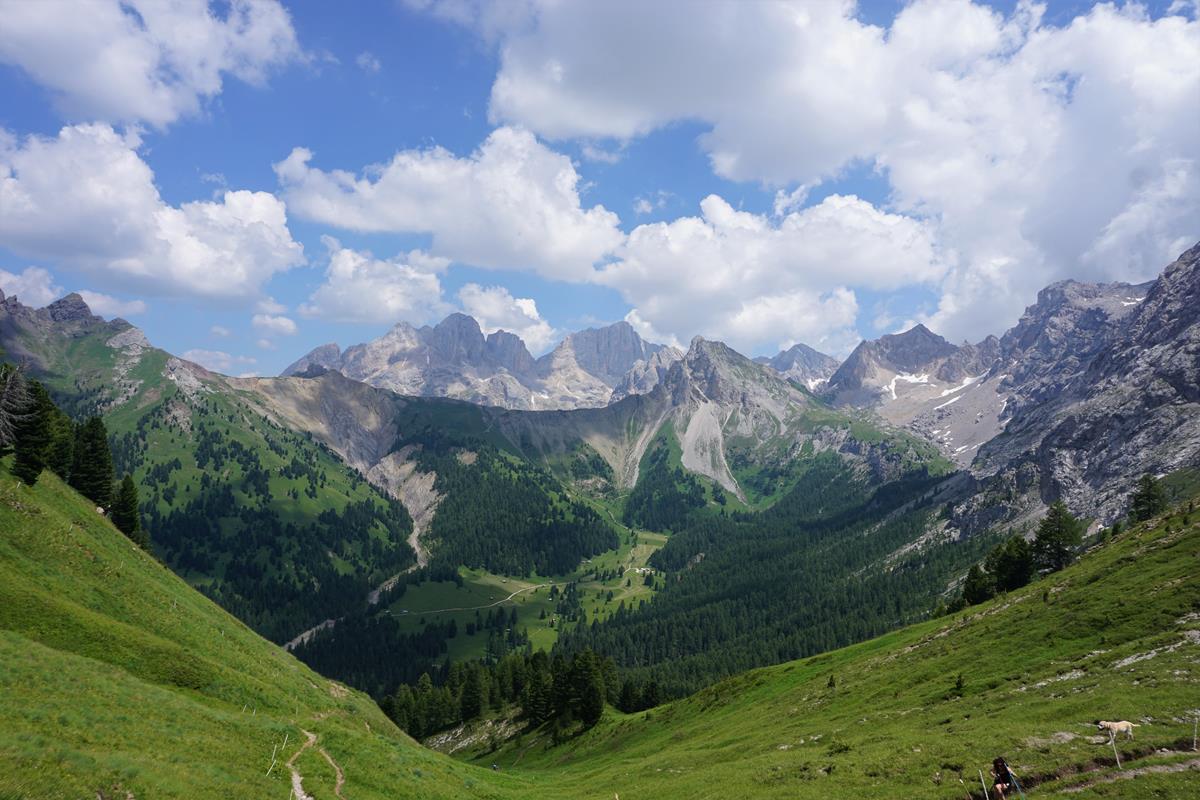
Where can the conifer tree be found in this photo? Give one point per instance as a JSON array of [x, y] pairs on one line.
[[92, 467], [125, 513], [33, 434], [1149, 500], [14, 405], [1058, 534], [978, 586], [1010, 564]]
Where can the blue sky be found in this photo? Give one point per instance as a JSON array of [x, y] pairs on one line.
[[861, 174]]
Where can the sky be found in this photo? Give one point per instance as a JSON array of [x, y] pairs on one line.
[[248, 180]]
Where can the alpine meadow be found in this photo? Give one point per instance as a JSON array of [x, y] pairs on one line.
[[604, 401]]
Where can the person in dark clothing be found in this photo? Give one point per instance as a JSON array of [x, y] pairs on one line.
[[1002, 778]]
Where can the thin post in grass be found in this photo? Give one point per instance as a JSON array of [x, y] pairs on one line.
[[983, 783], [1112, 739]]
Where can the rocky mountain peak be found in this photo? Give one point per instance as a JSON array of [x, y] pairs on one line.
[[803, 364], [508, 351], [71, 308], [608, 352], [458, 339], [325, 357]]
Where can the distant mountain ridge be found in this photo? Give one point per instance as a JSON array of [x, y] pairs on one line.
[[454, 359]]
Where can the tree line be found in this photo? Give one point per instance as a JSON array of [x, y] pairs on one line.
[[1017, 561], [40, 436]]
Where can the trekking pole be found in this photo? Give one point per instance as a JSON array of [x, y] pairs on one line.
[[983, 783], [1112, 739], [1016, 782]]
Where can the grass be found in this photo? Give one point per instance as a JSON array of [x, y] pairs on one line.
[[115, 673], [482, 588]]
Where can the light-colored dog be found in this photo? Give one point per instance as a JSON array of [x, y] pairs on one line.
[[1114, 729]]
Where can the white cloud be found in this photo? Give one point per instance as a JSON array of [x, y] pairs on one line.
[[277, 326], [1035, 152], [269, 305], [217, 360], [87, 201], [368, 62], [494, 308], [749, 279], [33, 286], [108, 306], [512, 204], [361, 288], [220, 331], [265, 344], [143, 60]]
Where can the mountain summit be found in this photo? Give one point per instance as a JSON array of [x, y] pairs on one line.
[[454, 359]]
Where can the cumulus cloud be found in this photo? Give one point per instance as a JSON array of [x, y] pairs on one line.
[[87, 201], [751, 280], [494, 308], [218, 360], [143, 60], [512, 204], [108, 306], [1035, 151], [359, 287], [274, 325], [220, 331], [33, 286]]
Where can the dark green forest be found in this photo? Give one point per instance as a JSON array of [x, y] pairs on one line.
[[504, 514], [748, 590]]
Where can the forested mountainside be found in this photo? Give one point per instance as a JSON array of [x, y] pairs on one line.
[[263, 519]]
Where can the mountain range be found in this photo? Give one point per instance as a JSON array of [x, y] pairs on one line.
[[454, 359]]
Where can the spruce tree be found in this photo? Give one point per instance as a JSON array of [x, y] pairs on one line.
[[1149, 500], [1058, 534], [978, 586], [14, 405], [33, 435], [1010, 564], [125, 513], [92, 467], [471, 705]]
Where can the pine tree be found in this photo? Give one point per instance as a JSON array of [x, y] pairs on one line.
[[978, 586], [14, 405], [471, 705], [92, 467], [588, 688], [125, 513], [1149, 500], [1010, 564], [1058, 534], [33, 435]]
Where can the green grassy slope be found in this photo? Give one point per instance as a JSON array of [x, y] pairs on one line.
[[115, 673], [1116, 636]]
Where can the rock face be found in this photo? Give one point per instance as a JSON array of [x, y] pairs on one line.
[[1121, 398], [643, 376], [804, 365], [326, 356], [454, 359]]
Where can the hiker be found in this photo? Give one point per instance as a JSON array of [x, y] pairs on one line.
[[1002, 778]]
